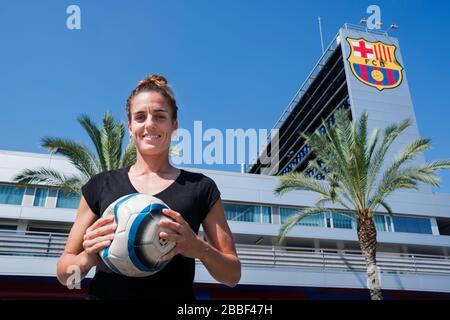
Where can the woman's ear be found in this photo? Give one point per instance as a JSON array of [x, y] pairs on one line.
[[130, 133]]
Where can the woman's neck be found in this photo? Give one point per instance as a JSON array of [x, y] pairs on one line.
[[152, 165]]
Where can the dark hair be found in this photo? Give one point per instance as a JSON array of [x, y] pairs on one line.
[[154, 83]]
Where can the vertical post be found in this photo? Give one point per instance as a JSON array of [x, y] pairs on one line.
[[49, 244], [321, 36], [323, 259], [274, 256]]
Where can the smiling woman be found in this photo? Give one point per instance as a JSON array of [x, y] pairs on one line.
[[194, 200]]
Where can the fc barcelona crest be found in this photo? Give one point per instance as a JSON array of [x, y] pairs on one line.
[[375, 63]]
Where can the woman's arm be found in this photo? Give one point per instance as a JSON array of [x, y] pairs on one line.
[[218, 254], [87, 237]]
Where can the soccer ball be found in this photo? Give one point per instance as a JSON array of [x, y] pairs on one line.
[[137, 248]]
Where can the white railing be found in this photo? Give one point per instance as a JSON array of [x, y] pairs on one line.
[[348, 261], [30, 243], [41, 244]]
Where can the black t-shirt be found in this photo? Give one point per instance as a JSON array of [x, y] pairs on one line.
[[192, 195]]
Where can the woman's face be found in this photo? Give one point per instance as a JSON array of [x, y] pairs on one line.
[[151, 125]]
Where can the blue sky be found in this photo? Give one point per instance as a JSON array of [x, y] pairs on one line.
[[232, 64]]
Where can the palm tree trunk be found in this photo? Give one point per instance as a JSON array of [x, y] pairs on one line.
[[367, 235]]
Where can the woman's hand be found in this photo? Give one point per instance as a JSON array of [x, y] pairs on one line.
[[187, 242], [98, 237]]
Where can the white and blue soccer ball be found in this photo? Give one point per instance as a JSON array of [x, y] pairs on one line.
[[137, 248]]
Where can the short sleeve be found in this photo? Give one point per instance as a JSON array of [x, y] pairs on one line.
[[209, 194], [91, 192]]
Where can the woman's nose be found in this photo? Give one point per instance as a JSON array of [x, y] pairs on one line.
[[150, 122]]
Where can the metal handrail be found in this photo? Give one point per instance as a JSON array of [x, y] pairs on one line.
[[41, 244], [303, 88], [365, 29]]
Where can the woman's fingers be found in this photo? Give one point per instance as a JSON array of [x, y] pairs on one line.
[[99, 235], [100, 231], [174, 215], [98, 247], [170, 236], [93, 242], [174, 226], [101, 222]]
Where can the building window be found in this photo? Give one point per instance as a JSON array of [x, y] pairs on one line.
[[248, 213], [67, 200], [328, 219], [443, 226], [10, 194], [343, 221], [55, 231], [40, 196], [412, 225], [9, 227], [380, 222], [317, 220], [389, 224]]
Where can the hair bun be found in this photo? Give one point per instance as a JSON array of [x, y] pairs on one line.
[[160, 81]]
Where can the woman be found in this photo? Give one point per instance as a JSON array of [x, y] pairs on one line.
[[193, 198]]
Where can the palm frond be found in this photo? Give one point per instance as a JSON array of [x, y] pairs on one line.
[[73, 184], [372, 144], [360, 165], [341, 154], [300, 181], [129, 156], [314, 165], [322, 202], [407, 178], [94, 133], [389, 135], [410, 152], [437, 165], [111, 135], [41, 175], [78, 154], [294, 219], [386, 206]]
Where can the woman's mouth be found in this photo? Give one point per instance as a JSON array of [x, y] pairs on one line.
[[150, 137]]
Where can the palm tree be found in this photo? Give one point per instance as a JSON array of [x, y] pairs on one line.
[[109, 155], [355, 179]]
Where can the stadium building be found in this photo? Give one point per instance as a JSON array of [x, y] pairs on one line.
[[361, 70]]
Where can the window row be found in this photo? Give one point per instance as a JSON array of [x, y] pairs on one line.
[[384, 223], [10, 194]]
